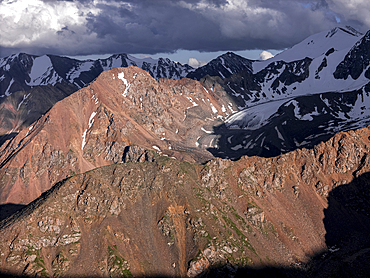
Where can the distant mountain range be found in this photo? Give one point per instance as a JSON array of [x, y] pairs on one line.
[[296, 99], [23, 71]]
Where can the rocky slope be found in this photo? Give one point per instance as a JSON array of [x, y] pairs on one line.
[[225, 218], [96, 125]]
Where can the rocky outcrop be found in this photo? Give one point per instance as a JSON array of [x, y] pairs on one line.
[[96, 125], [172, 218]]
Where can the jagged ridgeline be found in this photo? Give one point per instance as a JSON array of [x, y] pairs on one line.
[[176, 219], [30, 85]]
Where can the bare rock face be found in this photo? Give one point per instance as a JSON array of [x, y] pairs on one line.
[[95, 126], [177, 219]]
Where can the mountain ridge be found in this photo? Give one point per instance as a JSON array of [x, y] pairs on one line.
[[123, 106], [227, 226]]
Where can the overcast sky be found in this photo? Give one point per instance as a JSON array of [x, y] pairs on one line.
[[199, 28]]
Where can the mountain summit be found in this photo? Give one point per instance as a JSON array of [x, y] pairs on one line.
[[30, 85], [121, 113]]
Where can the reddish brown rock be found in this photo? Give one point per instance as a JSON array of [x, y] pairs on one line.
[[94, 126], [174, 218]]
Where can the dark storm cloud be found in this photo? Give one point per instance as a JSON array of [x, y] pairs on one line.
[[147, 26], [157, 26], [151, 27]]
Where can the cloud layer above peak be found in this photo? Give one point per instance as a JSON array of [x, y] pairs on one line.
[[87, 27]]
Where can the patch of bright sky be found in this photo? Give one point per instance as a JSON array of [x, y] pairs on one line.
[[308, 5], [183, 56]]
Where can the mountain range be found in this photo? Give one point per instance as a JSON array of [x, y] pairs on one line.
[[130, 169], [296, 99]]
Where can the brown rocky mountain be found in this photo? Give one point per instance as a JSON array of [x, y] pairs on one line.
[[123, 111], [301, 214], [30, 85]]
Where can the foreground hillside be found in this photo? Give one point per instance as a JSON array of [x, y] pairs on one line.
[[302, 213]]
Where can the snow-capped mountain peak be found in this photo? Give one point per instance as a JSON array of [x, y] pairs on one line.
[[339, 38], [223, 66], [23, 71]]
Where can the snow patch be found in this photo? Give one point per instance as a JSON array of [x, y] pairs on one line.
[[29, 130], [214, 110], [333, 249], [77, 70], [230, 106], [196, 142], [237, 147], [279, 134], [24, 98], [42, 72], [91, 121], [206, 131], [7, 93], [121, 76], [192, 102], [254, 117]]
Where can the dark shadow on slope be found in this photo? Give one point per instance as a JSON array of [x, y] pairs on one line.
[[302, 122], [5, 137], [8, 209], [266, 141], [347, 224], [23, 108]]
